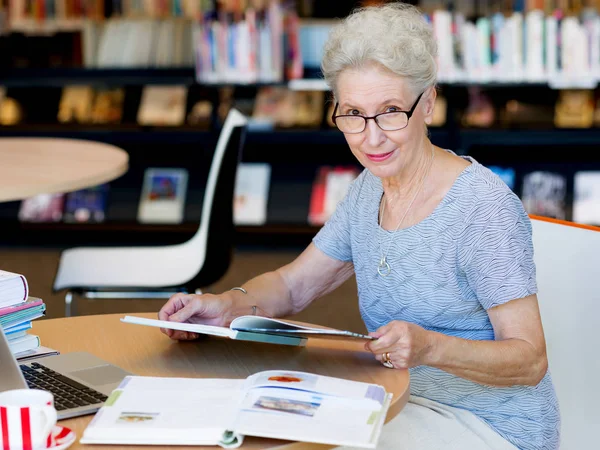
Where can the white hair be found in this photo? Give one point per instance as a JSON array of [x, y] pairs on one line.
[[394, 35]]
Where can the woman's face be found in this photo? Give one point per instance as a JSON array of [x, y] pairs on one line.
[[372, 90]]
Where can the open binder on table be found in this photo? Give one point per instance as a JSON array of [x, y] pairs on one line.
[[276, 404], [255, 328]]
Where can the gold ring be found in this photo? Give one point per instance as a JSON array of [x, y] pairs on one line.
[[387, 362]]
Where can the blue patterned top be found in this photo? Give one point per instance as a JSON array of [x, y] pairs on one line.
[[472, 253]]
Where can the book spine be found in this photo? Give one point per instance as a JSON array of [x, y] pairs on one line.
[[29, 342]]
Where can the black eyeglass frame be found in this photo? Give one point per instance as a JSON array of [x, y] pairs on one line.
[[408, 113]]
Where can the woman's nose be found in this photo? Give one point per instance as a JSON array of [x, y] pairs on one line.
[[374, 135]]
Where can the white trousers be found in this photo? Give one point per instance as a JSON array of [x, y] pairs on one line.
[[428, 425]]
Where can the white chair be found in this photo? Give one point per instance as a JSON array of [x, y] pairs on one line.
[[567, 258], [160, 271]]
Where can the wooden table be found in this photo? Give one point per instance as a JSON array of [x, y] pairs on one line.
[[146, 351], [31, 166]]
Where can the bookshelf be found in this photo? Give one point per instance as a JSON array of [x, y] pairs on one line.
[[294, 153]]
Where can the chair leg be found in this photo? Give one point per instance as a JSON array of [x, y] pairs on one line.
[[68, 303]]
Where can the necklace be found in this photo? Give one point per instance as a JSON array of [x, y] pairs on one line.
[[384, 268]]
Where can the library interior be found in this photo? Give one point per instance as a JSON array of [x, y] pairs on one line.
[[162, 146]]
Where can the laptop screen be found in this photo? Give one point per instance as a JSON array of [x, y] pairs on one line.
[[10, 373]]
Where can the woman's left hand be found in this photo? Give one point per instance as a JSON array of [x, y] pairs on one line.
[[408, 344]]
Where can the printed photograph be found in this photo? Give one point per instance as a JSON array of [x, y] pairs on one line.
[[164, 187], [300, 380], [287, 406], [285, 379], [137, 417]]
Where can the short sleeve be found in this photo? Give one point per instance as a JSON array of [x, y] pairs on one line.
[[333, 238], [495, 250]]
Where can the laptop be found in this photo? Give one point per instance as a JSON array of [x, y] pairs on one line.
[[79, 381]]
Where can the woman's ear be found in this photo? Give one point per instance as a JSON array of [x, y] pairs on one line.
[[428, 105]]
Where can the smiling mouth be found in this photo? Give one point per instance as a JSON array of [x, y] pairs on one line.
[[379, 156]]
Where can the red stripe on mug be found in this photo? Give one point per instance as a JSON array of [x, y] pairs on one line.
[[26, 429], [63, 433], [4, 426]]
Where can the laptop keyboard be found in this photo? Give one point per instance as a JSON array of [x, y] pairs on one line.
[[68, 393]]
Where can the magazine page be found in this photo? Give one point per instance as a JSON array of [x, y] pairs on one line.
[[257, 324], [167, 411], [181, 326], [218, 331], [312, 408]]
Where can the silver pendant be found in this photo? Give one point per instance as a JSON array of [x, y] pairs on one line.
[[384, 268]]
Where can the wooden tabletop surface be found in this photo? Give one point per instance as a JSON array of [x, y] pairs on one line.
[[31, 166], [145, 350]]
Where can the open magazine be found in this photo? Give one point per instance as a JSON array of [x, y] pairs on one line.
[[276, 404], [255, 328]]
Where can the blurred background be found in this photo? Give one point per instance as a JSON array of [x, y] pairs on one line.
[[517, 91]]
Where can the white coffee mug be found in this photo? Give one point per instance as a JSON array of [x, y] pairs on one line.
[[27, 417]]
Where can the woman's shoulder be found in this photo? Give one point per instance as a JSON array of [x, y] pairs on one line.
[[366, 187], [483, 192]]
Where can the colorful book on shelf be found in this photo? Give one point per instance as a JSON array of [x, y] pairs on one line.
[[14, 289], [76, 104], [329, 188], [255, 328], [309, 107], [574, 109], [544, 194], [42, 208], [200, 114], [162, 106], [276, 404], [163, 195], [275, 106], [251, 194], [108, 106], [86, 205], [586, 200]]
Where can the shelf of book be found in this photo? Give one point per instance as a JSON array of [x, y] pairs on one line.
[[61, 235], [64, 76], [184, 228], [530, 137], [458, 138], [134, 134], [58, 77], [177, 136]]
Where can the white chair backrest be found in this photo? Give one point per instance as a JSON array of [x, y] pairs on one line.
[[567, 259], [234, 119], [190, 255]]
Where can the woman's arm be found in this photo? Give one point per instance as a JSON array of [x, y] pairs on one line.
[[291, 288], [517, 356]]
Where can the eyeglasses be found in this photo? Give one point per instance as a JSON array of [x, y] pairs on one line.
[[387, 121]]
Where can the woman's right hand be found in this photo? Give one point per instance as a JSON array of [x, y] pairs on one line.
[[205, 309]]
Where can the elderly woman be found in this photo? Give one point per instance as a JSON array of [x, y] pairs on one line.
[[441, 249]]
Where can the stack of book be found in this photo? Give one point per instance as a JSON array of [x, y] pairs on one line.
[[17, 311]]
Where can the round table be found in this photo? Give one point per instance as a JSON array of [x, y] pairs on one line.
[[146, 351], [31, 166]]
